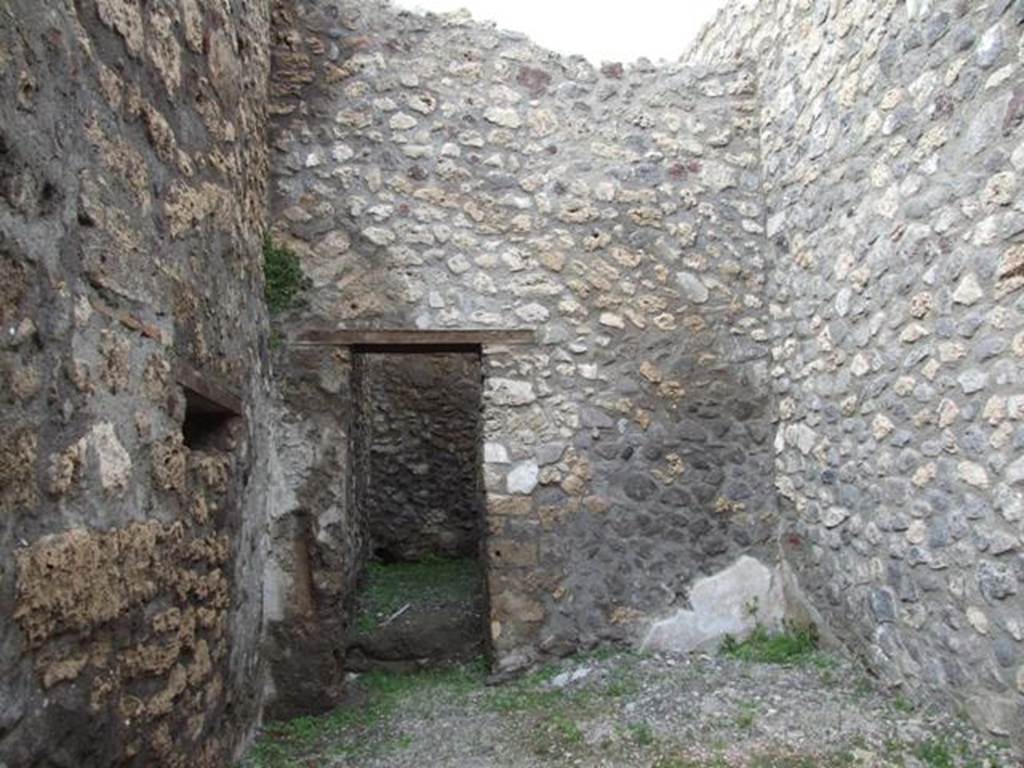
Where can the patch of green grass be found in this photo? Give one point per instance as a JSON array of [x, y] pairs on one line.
[[514, 697], [605, 652], [670, 762], [935, 753], [951, 748], [863, 686], [282, 274], [784, 761], [791, 646], [556, 733], [642, 734], [387, 587], [458, 679], [675, 761], [902, 704], [747, 715], [621, 682], [542, 675], [355, 730]]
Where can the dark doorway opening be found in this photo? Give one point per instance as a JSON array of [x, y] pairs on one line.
[[418, 447]]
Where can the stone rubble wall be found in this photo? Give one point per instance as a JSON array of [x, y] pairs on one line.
[[892, 153], [316, 535], [432, 173], [777, 297], [132, 200], [424, 493]]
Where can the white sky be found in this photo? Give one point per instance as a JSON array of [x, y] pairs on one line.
[[598, 29]]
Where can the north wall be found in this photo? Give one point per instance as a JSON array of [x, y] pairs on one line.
[[433, 172]]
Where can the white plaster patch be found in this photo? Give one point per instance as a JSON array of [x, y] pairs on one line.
[[733, 602]]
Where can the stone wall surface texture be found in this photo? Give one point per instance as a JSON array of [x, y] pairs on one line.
[[778, 306], [892, 152], [433, 172], [132, 198], [316, 536], [424, 492]]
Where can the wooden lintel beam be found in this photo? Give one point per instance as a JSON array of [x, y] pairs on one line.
[[215, 393], [411, 338]]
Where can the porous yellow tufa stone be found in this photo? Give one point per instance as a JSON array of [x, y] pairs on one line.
[[924, 474], [18, 452], [881, 427], [1018, 345], [125, 18], [187, 206], [63, 670], [949, 411], [917, 532], [1011, 271], [192, 19], [164, 51], [650, 372]]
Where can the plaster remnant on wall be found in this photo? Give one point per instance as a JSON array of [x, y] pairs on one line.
[[733, 602]]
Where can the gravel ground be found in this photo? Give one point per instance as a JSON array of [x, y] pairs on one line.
[[630, 711]]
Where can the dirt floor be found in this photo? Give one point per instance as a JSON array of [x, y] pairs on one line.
[[413, 614], [772, 702]]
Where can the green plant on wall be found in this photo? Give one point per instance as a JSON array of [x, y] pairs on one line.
[[283, 279]]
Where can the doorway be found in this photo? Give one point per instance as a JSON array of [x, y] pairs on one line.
[[417, 443]]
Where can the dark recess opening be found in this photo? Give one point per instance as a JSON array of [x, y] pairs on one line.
[[207, 425], [212, 410], [418, 458]]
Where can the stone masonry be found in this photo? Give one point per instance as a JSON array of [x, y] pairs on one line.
[[133, 168], [892, 154], [434, 173], [424, 492], [776, 292]]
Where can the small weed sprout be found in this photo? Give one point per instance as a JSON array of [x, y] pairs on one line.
[[642, 734]]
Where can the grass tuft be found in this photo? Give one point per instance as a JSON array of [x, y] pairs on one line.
[[792, 646], [387, 587], [283, 278], [355, 730]]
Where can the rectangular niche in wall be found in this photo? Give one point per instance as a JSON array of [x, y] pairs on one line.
[[211, 412]]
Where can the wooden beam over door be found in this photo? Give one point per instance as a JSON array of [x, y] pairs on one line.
[[411, 338]]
